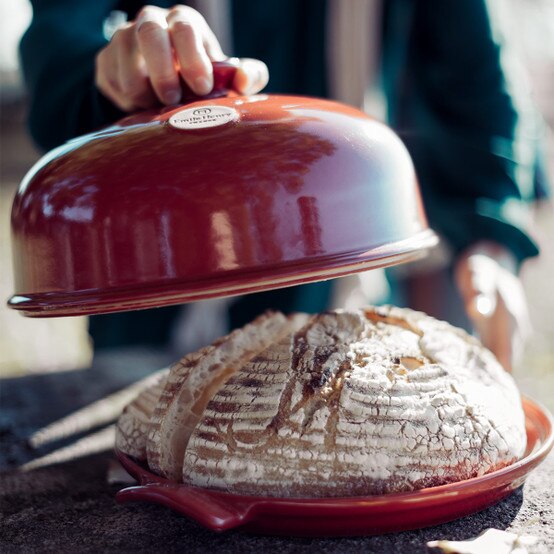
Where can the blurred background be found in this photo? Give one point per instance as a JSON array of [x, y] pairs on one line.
[[37, 346]]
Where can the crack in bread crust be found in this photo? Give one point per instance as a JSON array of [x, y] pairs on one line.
[[357, 402], [194, 381]]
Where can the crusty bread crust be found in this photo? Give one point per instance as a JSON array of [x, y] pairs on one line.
[[134, 423], [356, 403], [346, 403], [194, 380]]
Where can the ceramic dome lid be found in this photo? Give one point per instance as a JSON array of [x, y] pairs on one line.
[[218, 197]]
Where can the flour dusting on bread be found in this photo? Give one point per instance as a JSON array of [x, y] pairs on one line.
[[345, 403]]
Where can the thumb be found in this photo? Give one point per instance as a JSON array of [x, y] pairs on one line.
[[252, 76]]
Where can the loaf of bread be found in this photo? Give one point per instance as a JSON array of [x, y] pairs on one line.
[[343, 403], [134, 423]]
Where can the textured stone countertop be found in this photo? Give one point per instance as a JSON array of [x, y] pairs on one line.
[[70, 507]]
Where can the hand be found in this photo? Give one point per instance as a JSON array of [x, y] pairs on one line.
[[494, 299], [140, 66]]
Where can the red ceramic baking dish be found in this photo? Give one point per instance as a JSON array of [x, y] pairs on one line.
[[221, 196], [360, 515]]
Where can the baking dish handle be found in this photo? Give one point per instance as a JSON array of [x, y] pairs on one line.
[[209, 508], [224, 74], [203, 506]]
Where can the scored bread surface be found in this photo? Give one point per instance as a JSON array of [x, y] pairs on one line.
[[194, 380], [343, 403], [355, 403], [134, 423]]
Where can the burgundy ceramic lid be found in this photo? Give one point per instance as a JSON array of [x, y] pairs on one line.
[[216, 197]]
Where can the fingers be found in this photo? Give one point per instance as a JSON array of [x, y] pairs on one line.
[[212, 46], [106, 76], [499, 333], [251, 77], [140, 66], [134, 89], [187, 29], [144, 62], [155, 46], [495, 302], [477, 282], [121, 73]]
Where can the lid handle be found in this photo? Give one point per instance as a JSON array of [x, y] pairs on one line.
[[224, 74]]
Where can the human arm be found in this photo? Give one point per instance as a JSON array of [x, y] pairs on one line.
[[487, 278], [57, 54], [464, 113]]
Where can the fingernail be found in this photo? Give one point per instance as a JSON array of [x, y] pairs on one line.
[[172, 97], [203, 85]]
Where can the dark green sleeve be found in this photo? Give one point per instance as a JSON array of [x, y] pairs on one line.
[[465, 120], [57, 54]]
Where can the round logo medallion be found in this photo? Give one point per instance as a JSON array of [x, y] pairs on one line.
[[203, 117]]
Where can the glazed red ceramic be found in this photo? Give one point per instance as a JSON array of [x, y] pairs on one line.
[[221, 196], [370, 515]]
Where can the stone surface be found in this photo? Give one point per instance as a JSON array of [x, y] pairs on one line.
[[70, 506]]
